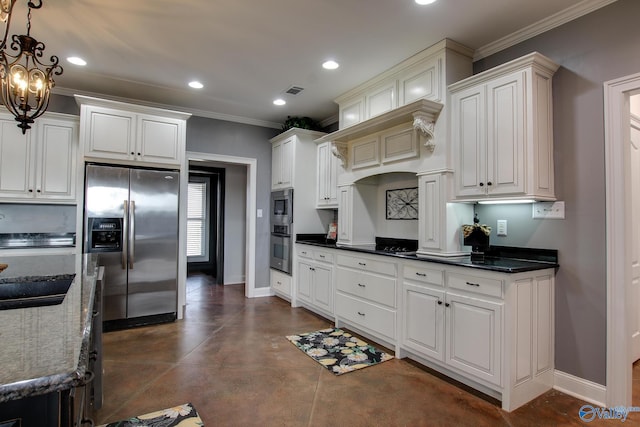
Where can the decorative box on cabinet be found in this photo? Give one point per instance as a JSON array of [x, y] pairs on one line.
[[132, 134], [41, 165], [492, 331], [327, 177], [315, 279], [502, 131]]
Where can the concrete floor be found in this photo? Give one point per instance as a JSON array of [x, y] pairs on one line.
[[230, 358]]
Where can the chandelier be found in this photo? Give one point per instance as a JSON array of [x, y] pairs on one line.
[[26, 81]]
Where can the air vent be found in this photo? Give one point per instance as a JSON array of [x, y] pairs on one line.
[[294, 90]]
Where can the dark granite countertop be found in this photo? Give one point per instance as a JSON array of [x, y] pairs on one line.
[[504, 259], [45, 349]]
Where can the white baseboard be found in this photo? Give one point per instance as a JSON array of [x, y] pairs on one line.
[[580, 388], [262, 292]]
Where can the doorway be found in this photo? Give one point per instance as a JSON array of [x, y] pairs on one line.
[[620, 270], [205, 222]]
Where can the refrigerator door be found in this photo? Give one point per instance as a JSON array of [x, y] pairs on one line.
[[107, 196], [153, 243]]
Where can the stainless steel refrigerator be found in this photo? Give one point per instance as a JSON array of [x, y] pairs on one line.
[[131, 220]]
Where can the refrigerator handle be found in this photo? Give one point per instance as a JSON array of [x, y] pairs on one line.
[[125, 234], [132, 233]]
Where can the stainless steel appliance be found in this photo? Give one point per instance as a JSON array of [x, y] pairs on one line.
[[131, 219], [282, 206], [281, 228]]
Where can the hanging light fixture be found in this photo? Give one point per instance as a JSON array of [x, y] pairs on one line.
[[26, 81]]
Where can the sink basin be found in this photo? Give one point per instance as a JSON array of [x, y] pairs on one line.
[[34, 291]]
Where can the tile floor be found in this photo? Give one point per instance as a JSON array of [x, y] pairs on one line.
[[230, 358]]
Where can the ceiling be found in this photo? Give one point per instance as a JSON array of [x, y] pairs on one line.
[[247, 53]]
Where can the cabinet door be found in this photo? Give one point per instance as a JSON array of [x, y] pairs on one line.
[[422, 81], [322, 174], [430, 200], [56, 159], [345, 197], [286, 177], [160, 140], [469, 138], [423, 322], [305, 277], [16, 161], [109, 133], [276, 165], [474, 336], [382, 99], [332, 180], [322, 287], [351, 113], [505, 135]]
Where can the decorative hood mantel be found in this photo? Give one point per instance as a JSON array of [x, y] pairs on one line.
[[423, 113]]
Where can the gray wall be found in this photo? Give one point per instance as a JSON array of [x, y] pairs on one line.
[[596, 48], [236, 139]]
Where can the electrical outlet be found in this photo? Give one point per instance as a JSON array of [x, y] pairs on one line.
[[548, 210], [502, 227]]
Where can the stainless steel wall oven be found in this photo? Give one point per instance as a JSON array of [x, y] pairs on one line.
[[281, 228]]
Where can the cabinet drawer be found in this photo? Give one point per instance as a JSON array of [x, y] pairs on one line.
[[281, 282], [374, 288], [323, 256], [364, 264], [372, 317], [481, 285], [424, 275], [305, 252]]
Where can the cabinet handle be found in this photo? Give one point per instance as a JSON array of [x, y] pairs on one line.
[[489, 183], [481, 184], [321, 256], [303, 252], [88, 377], [473, 284], [312, 269], [38, 191], [421, 274], [132, 153], [364, 264], [446, 304], [439, 302], [138, 154], [361, 285], [30, 190], [361, 313], [279, 283]]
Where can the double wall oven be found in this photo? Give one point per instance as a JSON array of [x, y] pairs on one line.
[[281, 229]]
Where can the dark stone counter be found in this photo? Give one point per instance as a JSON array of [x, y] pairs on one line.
[[45, 349], [503, 259]]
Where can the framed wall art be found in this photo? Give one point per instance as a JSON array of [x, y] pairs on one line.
[[402, 203]]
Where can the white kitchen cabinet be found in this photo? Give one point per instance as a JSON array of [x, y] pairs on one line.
[[502, 131], [366, 295], [351, 112], [474, 336], [327, 177], [132, 134], [280, 283], [41, 165], [314, 282], [381, 99], [281, 163], [492, 331]]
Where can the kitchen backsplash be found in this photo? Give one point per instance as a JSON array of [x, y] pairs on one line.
[[18, 218]]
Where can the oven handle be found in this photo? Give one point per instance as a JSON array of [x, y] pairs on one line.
[[281, 235]]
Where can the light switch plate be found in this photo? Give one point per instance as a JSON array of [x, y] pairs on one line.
[[259, 213], [502, 227], [548, 210]]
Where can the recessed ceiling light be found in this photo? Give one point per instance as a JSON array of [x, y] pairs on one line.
[[330, 65], [196, 85], [423, 2], [76, 60], [279, 101]]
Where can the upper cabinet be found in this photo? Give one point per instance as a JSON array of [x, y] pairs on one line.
[[282, 163], [422, 76], [327, 178], [132, 134], [502, 134], [41, 165]]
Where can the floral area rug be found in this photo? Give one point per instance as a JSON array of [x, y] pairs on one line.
[[338, 351], [178, 416]]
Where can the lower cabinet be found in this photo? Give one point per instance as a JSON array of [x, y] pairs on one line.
[[492, 331], [281, 283], [314, 282]]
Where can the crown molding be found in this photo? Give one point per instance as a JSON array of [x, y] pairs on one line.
[[546, 24], [194, 112]]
